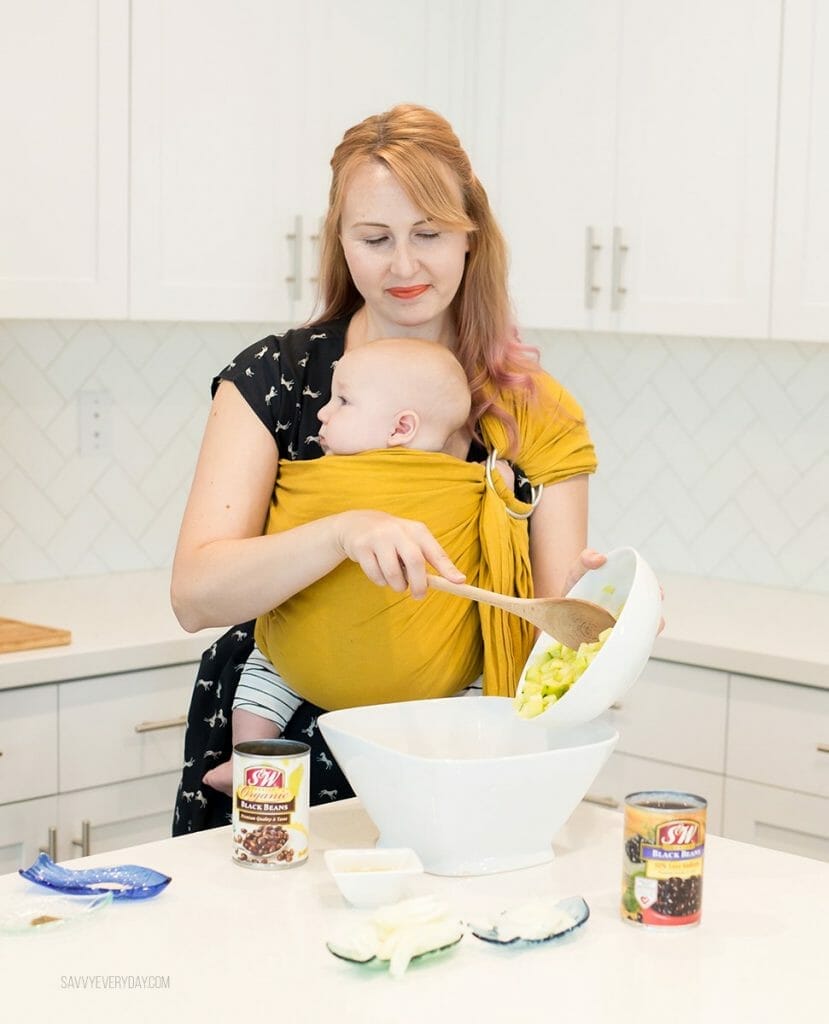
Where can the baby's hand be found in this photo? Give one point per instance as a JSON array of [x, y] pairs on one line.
[[220, 778]]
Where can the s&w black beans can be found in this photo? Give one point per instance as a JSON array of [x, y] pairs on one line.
[[270, 803], [663, 857]]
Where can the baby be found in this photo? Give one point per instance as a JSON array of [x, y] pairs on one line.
[[395, 392]]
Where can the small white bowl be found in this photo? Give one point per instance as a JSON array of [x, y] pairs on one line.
[[370, 878]]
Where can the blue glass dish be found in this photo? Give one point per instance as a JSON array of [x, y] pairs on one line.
[[124, 881], [574, 906]]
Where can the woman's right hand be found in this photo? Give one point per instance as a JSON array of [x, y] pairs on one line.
[[393, 552]]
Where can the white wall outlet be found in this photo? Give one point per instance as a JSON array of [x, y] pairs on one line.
[[94, 422]]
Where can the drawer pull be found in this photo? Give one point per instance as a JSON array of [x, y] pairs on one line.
[[591, 251], [83, 842], [823, 748], [295, 238], [602, 801], [616, 706], [167, 723], [51, 849]]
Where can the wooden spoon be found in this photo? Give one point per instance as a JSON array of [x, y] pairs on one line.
[[569, 619]]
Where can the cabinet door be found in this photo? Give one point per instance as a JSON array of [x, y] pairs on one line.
[[28, 742], [64, 71], [357, 63], [778, 818], [800, 300], [24, 831], [113, 817], [675, 713], [123, 726], [216, 101], [554, 176], [623, 774], [695, 171], [778, 733]]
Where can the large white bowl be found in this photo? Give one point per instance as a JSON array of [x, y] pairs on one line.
[[465, 782], [628, 588]]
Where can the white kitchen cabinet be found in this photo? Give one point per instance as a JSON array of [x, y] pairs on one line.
[[236, 111], [645, 130], [672, 735], [90, 765], [215, 116], [112, 817], [756, 749], [778, 734], [800, 300], [25, 829], [624, 774], [675, 713], [553, 181], [28, 743], [64, 122], [779, 818], [123, 726]]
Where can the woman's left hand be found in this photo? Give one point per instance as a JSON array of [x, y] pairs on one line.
[[590, 559]]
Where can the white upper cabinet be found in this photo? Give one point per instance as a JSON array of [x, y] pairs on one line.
[[697, 127], [236, 112], [64, 124], [800, 305], [554, 181], [636, 183], [216, 94]]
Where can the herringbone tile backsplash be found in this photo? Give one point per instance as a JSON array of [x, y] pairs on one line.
[[714, 454]]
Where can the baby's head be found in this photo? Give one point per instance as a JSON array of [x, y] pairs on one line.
[[394, 392]]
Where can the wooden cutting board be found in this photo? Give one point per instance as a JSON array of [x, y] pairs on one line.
[[26, 636]]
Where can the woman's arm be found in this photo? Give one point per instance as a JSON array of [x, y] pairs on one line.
[[558, 535], [225, 571]]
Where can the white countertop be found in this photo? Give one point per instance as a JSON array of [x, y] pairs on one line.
[[233, 942], [740, 627], [119, 622], [123, 621]]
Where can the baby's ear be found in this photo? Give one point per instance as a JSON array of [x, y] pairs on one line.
[[404, 429]]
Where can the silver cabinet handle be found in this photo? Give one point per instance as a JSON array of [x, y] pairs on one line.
[[83, 842], [602, 801], [51, 848], [591, 252], [620, 251], [823, 748], [167, 723], [295, 279], [315, 240]]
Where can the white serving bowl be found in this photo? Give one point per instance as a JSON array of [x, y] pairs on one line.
[[370, 878], [628, 588], [465, 782]]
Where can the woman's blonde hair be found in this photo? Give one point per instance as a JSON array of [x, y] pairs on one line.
[[422, 151]]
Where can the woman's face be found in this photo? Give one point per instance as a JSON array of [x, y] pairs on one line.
[[407, 268]]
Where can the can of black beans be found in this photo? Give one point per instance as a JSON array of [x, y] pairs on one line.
[[663, 857], [270, 803]]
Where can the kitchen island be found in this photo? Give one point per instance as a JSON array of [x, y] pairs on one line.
[[226, 942]]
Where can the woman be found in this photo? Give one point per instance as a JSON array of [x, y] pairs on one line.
[[409, 249]]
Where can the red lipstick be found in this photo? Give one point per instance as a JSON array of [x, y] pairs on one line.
[[408, 293]]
